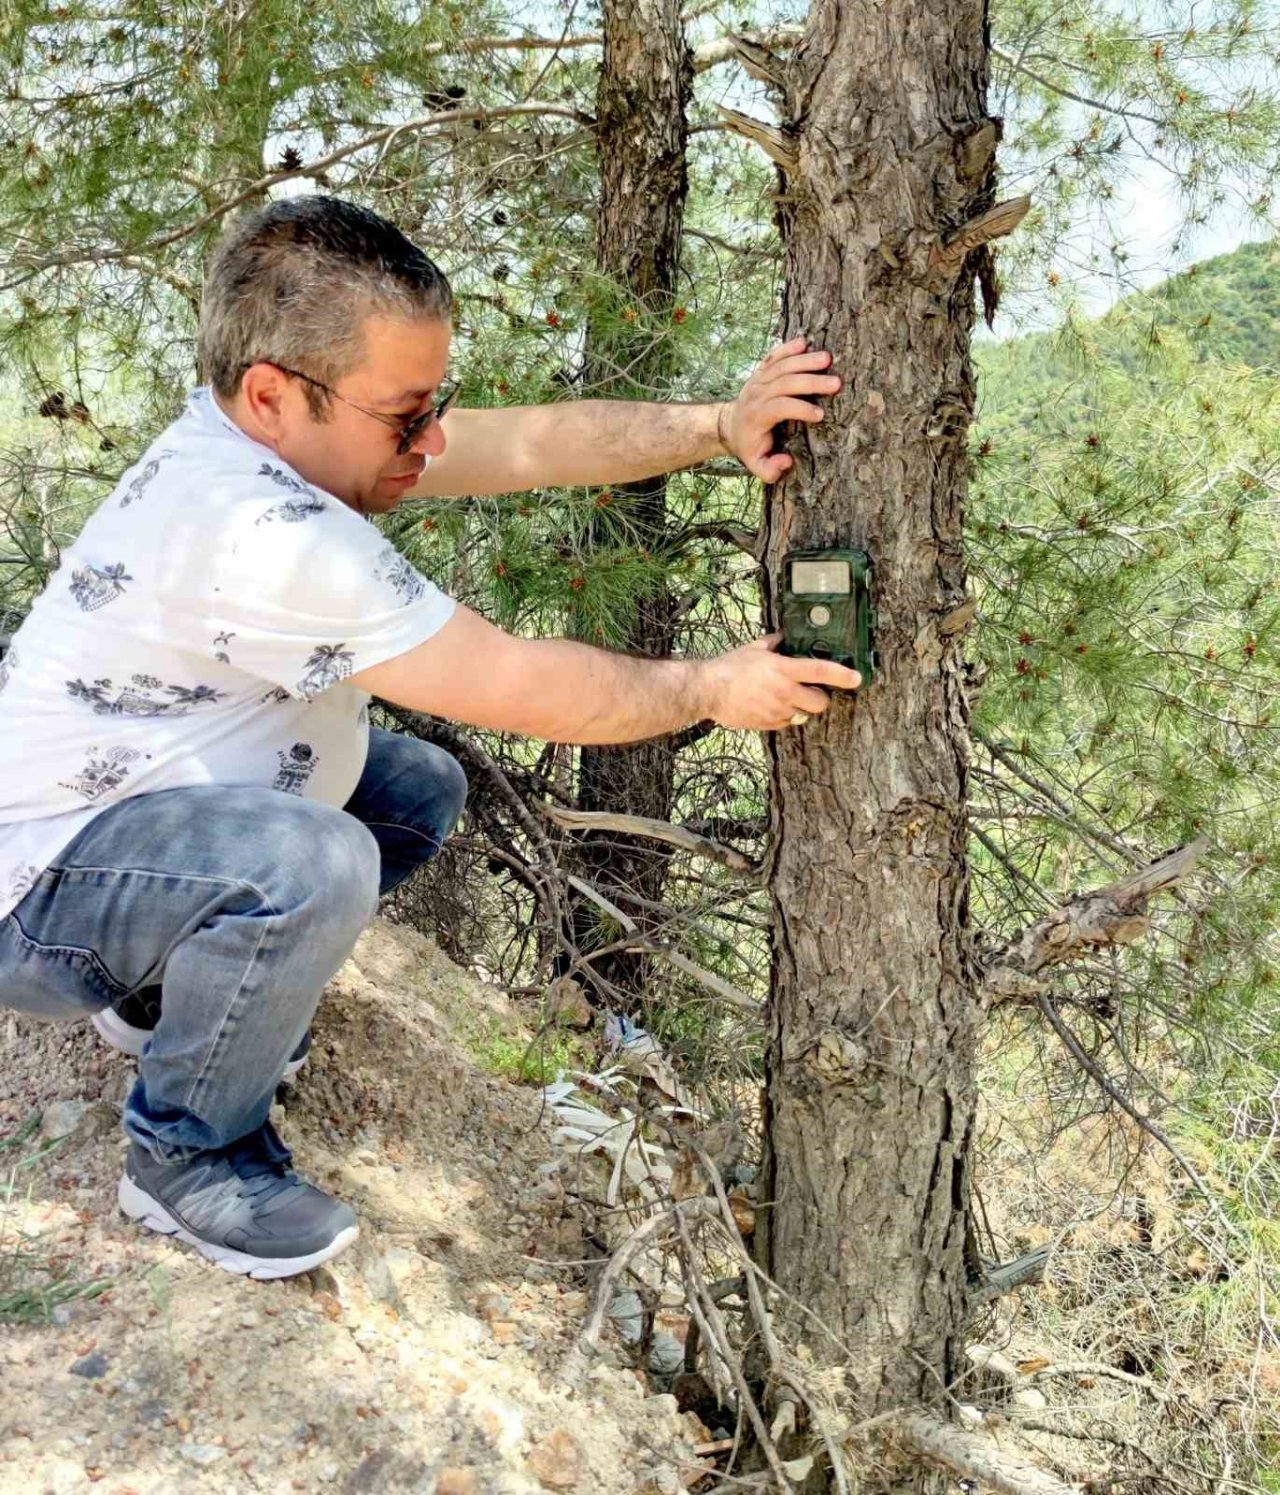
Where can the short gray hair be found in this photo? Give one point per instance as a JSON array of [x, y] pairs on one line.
[[294, 282]]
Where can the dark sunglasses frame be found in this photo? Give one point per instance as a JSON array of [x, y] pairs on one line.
[[410, 429]]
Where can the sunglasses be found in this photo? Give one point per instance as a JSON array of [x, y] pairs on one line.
[[409, 429]]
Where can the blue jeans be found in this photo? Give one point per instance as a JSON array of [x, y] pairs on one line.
[[240, 903]]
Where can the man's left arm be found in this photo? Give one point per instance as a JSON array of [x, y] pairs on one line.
[[589, 442]]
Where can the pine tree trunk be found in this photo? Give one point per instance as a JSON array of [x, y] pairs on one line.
[[645, 81], [873, 1024]]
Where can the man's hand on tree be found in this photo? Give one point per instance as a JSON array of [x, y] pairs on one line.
[[773, 394], [757, 688]]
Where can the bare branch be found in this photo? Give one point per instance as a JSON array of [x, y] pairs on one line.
[[654, 830], [574, 1365], [1108, 1086], [1112, 916], [728, 48], [980, 1458]]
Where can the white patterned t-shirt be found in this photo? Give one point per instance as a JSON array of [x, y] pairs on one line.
[[200, 631]]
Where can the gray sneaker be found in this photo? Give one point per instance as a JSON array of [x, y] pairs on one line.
[[242, 1207]]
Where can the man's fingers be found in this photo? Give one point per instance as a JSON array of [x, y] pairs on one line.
[[815, 702], [769, 469], [784, 350], [798, 382], [824, 672], [794, 363]]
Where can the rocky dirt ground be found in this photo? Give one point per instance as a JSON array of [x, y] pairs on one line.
[[424, 1359]]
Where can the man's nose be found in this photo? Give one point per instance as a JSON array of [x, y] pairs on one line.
[[431, 439]]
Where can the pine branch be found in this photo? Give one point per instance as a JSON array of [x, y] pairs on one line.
[[1076, 98], [384, 137]]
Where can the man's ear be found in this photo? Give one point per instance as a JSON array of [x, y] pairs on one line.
[[265, 391]]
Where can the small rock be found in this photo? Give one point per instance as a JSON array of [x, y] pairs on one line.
[[62, 1117], [453, 1481], [92, 1367], [1032, 1398], [492, 1306], [664, 1406], [556, 1461], [627, 1313], [504, 1333], [327, 1473], [503, 1424], [666, 1356], [62, 1477], [366, 1337], [324, 1281], [203, 1454], [250, 1320]]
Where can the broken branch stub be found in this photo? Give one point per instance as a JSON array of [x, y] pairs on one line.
[[1002, 219], [1112, 916]]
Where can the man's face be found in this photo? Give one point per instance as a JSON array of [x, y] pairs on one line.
[[352, 455]]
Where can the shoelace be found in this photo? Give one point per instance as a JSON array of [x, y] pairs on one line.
[[263, 1164]]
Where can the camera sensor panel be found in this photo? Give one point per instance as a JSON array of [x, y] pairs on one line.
[[831, 578]]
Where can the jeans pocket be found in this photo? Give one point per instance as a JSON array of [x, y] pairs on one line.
[[53, 982]]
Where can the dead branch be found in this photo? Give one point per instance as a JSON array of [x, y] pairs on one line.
[[715, 1322], [709, 979], [1105, 1083], [729, 48], [980, 1458], [1095, 1370], [1005, 1276], [764, 1323], [993, 224], [594, 895], [574, 1365], [1111, 916], [654, 830], [772, 141]]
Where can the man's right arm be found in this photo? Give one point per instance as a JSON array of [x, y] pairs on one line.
[[563, 691]]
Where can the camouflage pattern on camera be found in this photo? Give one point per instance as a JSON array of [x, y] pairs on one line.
[[826, 608]]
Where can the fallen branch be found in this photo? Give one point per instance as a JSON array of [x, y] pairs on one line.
[[1003, 1277], [1116, 915], [654, 830], [975, 1457]]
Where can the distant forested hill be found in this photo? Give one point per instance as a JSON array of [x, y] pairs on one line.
[[1226, 309]]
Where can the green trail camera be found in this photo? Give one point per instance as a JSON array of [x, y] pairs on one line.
[[826, 608]]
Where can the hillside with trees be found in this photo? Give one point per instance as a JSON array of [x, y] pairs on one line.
[[969, 986]]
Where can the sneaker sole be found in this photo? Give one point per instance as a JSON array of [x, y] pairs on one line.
[[130, 1040], [142, 1208]]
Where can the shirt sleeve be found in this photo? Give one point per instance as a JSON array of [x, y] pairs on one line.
[[303, 593]]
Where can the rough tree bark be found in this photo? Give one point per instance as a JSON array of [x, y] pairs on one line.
[[645, 82], [874, 1010]]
